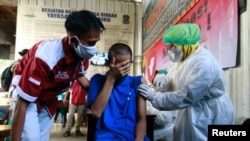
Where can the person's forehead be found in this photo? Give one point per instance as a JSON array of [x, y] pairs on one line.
[[121, 58], [170, 46], [91, 35]]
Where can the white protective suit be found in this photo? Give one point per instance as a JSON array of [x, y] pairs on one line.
[[164, 120], [199, 94], [164, 123]]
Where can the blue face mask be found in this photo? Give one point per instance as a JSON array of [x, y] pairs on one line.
[[84, 51]]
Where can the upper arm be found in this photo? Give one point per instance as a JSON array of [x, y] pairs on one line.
[[141, 107], [143, 81], [31, 79], [141, 103]]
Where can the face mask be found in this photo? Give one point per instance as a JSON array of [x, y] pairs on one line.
[[84, 51], [175, 55]]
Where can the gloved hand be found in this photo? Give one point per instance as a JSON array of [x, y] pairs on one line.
[[161, 83], [146, 91]]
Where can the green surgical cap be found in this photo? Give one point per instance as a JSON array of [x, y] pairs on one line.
[[182, 34]]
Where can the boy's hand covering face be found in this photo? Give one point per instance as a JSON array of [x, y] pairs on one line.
[[119, 69]]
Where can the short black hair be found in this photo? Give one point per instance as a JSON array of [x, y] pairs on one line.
[[119, 49], [79, 22], [23, 52]]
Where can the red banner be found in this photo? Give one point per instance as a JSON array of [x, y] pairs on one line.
[[156, 58], [218, 20], [219, 27]]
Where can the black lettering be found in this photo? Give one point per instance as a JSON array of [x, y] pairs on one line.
[[199, 12], [205, 6], [208, 21], [193, 18]]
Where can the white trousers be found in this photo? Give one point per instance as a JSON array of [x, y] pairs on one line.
[[37, 125]]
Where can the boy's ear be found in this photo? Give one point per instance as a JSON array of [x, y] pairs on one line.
[[113, 60]]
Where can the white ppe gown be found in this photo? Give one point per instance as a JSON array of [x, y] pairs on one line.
[[164, 123], [198, 92]]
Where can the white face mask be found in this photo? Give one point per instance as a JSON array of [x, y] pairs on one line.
[[84, 51], [175, 55]]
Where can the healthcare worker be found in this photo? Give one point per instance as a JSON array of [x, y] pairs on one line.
[[164, 120], [197, 82]]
